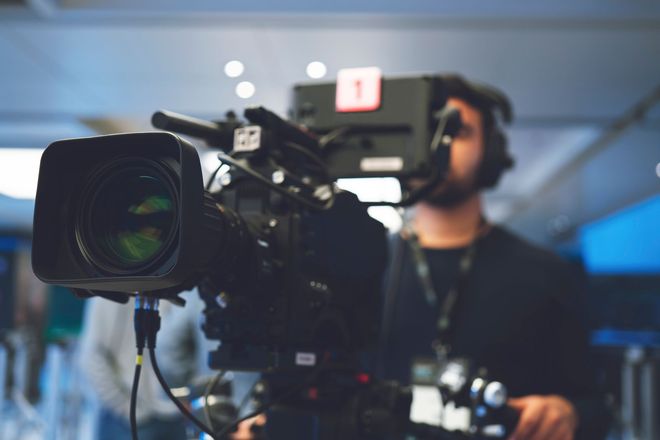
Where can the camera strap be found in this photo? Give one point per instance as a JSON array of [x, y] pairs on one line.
[[441, 345]]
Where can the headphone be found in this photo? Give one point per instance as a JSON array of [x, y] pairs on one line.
[[496, 159]]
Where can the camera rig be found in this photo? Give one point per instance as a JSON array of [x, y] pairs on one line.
[[289, 266]]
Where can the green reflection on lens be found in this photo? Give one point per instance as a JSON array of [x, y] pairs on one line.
[[133, 217]]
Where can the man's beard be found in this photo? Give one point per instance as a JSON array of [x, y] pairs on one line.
[[451, 193]]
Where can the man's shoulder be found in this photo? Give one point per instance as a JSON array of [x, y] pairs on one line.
[[512, 246], [531, 264]]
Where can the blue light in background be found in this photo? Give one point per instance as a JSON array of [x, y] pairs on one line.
[[8, 243], [627, 242]]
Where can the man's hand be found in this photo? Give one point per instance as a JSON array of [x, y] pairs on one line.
[[244, 431], [544, 418]]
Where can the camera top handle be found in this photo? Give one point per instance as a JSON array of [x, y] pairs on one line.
[[217, 134], [221, 133]]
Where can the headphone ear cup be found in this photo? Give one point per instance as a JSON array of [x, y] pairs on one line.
[[496, 159]]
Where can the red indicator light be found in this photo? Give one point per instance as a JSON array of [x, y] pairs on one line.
[[363, 378]]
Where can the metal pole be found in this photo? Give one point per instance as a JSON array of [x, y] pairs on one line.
[[20, 373], [53, 398], [3, 387], [649, 400], [629, 397]]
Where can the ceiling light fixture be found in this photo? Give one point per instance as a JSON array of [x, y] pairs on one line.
[[245, 89], [316, 70], [234, 69]]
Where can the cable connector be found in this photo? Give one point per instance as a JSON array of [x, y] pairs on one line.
[[146, 321]]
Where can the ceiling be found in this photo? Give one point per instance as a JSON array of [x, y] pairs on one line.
[[575, 70]]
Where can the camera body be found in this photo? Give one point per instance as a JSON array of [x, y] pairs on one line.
[[281, 282], [310, 282]]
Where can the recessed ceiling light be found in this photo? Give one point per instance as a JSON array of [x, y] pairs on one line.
[[316, 70], [245, 89], [234, 69]]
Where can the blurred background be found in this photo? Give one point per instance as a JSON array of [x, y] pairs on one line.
[[583, 76]]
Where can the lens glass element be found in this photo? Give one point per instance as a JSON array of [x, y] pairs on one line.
[[133, 217]]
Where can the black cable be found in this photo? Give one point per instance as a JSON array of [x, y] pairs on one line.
[[147, 323], [264, 180], [321, 175], [212, 384], [330, 137], [438, 141], [247, 396], [289, 176], [268, 183], [200, 425], [229, 428], [134, 391], [209, 183], [308, 154], [292, 177], [414, 195]]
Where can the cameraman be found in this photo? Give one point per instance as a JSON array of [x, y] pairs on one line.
[[518, 308]]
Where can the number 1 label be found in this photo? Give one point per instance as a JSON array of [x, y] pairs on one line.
[[358, 90]]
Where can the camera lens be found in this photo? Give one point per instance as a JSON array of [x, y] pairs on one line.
[[129, 217]]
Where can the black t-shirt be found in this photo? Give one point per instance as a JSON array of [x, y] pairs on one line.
[[520, 317]]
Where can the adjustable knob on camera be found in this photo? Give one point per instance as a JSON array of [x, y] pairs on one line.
[[495, 395]]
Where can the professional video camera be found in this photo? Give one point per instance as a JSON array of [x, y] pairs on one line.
[[288, 265]]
